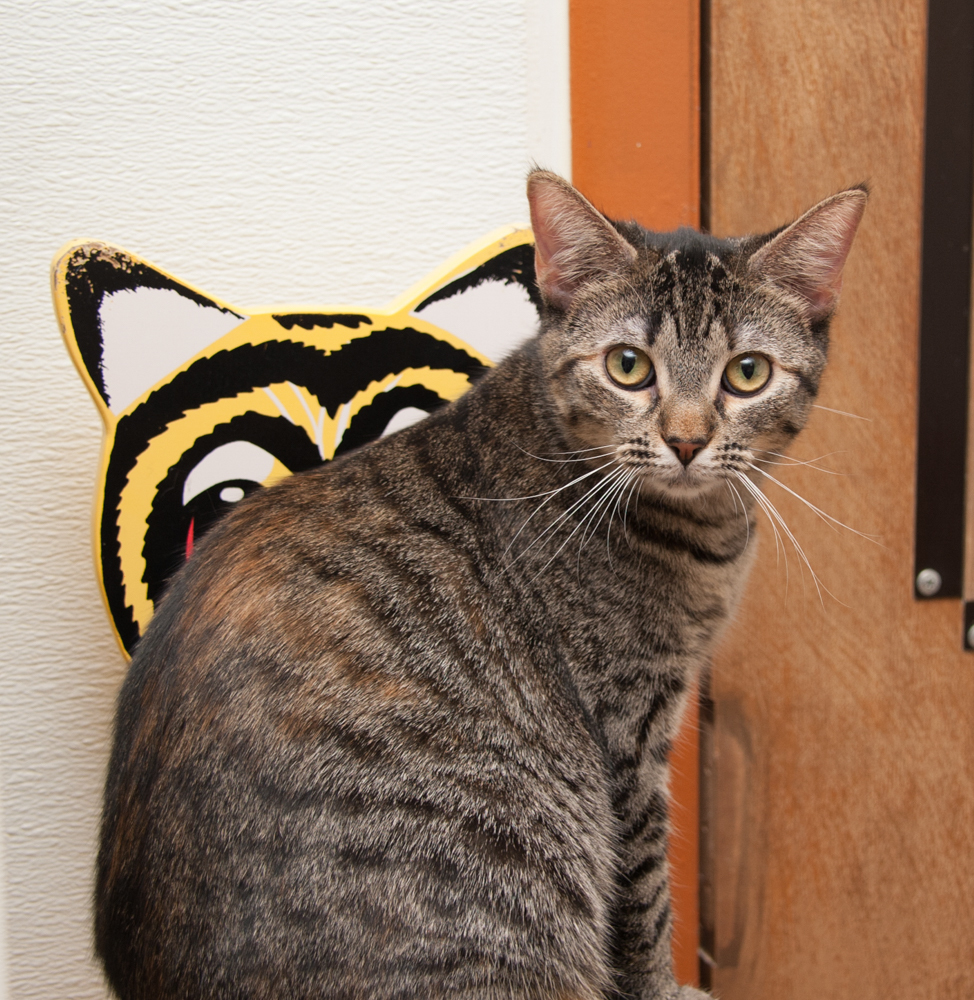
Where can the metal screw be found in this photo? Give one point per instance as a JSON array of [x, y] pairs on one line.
[[928, 582], [970, 637]]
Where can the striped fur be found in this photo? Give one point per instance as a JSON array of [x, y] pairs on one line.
[[400, 727]]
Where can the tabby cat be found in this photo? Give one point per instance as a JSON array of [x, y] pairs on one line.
[[399, 728]]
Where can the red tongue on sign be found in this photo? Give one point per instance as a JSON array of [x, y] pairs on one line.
[[189, 538]]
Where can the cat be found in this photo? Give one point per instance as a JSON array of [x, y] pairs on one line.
[[399, 727]]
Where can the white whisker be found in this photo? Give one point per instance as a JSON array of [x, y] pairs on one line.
[[597, 506], [633, 488], [547, 493], [832, 522], [574, 451], [842, 413], [779, 545], [606, 449], [791, 460], [595, 489], [573, 533], [737, 498], [612, 510], [771, 509], [618, 491], [793, 465], [595, 518]]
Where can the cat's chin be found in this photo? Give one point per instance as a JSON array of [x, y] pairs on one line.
[[680, 486]]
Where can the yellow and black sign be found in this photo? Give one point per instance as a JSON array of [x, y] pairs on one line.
[[203, 402]]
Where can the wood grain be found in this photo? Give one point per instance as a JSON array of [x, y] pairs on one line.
[[844, 736]]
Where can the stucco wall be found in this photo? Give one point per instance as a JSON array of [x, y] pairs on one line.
[[295, 150]]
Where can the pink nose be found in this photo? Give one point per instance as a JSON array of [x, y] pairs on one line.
[[685, 450]]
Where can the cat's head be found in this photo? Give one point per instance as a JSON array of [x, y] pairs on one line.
[[691, 356]]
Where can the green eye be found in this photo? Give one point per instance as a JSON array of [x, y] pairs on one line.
[[746, 374], [629, 367]]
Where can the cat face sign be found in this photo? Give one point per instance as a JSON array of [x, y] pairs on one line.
[[204, 403]]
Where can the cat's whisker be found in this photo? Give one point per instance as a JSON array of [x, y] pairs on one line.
[[633, 488], [789, 460], [596, 507], [626, 483], [593, 490], [842, 413], [606, 449], [573, 533], [771, 509], [737, 498], [779, 545], [611, 508], [771, 513], [794, 465], [547, 493], [574, 451], [727, 482], [832, 522], [801, 461], [595, 518], [566, 461]]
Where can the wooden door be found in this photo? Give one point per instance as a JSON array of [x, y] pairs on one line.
[[839, 810]]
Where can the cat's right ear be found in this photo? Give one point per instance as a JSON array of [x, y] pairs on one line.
[[573, 242]]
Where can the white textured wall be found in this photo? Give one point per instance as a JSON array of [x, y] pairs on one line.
[[294, 150]]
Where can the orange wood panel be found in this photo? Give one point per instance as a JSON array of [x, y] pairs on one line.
[[635, 97], [635, 93]]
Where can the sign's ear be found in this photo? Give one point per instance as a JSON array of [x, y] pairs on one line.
[[128, 324], [574, 243], [493, 306], [807, 257]]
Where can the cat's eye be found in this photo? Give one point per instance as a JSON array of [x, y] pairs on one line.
[[746, 374], [629, 367]]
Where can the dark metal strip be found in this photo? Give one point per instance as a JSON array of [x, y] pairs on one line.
[[945, 299], [968, 625]]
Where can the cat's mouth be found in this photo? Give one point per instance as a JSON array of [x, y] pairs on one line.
[[657, 469]]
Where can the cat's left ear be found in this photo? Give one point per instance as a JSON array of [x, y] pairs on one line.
[[807, 257], [574, 243]]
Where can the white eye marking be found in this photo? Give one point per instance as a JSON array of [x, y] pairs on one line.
[[405, 417], [231, 494], [235, 460]]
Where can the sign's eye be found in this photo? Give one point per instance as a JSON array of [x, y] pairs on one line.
[[232, 462], [629, 367], [747, 374]]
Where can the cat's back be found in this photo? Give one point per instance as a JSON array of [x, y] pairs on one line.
[[336, 746]]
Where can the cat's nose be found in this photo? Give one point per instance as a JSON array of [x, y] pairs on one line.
[[685, 450]]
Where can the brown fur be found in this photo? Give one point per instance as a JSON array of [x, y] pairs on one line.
[[400, 727]]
